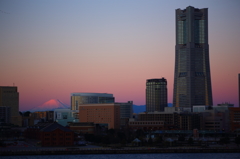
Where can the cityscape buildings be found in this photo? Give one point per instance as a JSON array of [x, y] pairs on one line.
[[9, 97], [107, 114], [192, 81], [234, 118], [126, 109], [65, 116], [5, 114], [239, 90], [50, 134], [87, 98], [156, 94]]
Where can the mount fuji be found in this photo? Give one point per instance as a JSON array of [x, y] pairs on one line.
[[50, 106]]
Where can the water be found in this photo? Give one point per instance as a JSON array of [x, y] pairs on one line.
[[135, 156]]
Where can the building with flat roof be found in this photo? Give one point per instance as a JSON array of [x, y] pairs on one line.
[[126, 112], [226, 104], [239, 90], [101, 113], [156, 95], [90, 98], [5, 114], [126, 109], [192, 78], [146, 125], [9, 97], [200, 108], [234, 118], [65, 116]]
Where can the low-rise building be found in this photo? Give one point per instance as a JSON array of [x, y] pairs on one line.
[[42, 116], [50, 134], [101, 113], [83, 127], [146, 125], [234, 119], [65, 116]]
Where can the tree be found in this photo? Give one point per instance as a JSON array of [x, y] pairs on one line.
[[27, 113]]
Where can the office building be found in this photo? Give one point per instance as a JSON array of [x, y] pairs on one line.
[[192, 80], [239, 90], [90, 98], [65, 116], [107, 114], [234, 118], [43, 116], [9, 97], [156, 94], [126, 109], [146, 125], [5, 114], [126, 112]]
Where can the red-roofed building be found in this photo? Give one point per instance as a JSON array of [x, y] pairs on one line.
[[51, 134]]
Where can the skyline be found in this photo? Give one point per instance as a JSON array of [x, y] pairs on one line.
[[52, 49]]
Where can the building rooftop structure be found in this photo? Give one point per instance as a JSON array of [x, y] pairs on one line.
[[53, 126], [86, 98], [92, 94], [226, 104]]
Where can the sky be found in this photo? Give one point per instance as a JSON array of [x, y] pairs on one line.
[[49, 49]]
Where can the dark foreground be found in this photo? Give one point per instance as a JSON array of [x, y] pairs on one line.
[[66, 151]]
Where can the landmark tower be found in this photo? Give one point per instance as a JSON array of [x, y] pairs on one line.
[[192, 80]]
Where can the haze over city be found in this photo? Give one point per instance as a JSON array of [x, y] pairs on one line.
[[50, 49]]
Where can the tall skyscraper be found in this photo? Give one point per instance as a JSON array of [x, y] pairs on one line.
[[156, 94], [192, 80]]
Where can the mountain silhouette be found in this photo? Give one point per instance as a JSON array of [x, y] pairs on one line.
[[142, 108], [50, 106]]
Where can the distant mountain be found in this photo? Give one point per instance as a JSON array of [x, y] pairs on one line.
[[139, 108], [170, 104], [50, 105], [142, 108]]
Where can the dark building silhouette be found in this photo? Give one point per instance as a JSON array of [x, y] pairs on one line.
[[5, 114], [9, 97], [234, 119], [239, 90], [192, 81], [50, 134], [156, 94]]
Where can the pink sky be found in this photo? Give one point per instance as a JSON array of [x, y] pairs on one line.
[[52, 49]]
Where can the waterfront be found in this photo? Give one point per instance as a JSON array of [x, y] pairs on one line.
[[138, 156]]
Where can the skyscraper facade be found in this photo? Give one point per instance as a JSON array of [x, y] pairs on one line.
[[239, 90], [156, 94], [9, 97], [87, 98], [192, 80]]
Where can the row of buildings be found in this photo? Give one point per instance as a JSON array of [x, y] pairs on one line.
[[223, 117], [192, 94]]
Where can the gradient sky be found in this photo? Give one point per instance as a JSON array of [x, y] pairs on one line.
[[50, 49]]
